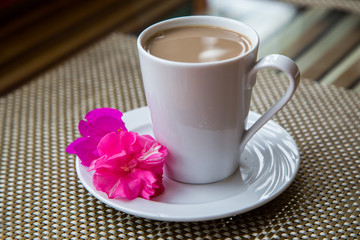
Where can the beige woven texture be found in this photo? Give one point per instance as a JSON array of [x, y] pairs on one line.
[[41, 196]]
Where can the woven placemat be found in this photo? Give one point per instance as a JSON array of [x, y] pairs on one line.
[[345, 5], [41, 196]]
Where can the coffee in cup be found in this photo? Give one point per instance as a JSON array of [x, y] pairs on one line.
[[197, 44]]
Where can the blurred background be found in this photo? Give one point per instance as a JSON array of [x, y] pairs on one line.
[[323, 37]]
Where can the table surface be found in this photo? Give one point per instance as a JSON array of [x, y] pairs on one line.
[[41, 196]]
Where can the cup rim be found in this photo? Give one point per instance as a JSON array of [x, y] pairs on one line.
[[186, 21]]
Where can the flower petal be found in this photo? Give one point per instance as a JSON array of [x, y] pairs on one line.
[[106, 119], [153, 158], [99, 122], [108, 124], [152, 183], [110, 144], [115, 187], [71, 147], [105, 181], [87, 129], [129, 188], [99, 112], [86, 151], [130, 165], [114, 163]]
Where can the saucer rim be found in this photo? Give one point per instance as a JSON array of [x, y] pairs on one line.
[[140, 207]]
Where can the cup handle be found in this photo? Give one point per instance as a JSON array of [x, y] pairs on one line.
[[285, 65]]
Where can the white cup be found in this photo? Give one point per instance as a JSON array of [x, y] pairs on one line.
[[199, 110]]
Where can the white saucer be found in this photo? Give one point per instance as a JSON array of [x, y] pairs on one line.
[[268, 165]]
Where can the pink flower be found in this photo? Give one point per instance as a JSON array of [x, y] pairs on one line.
[[130, 165], [99, 122]]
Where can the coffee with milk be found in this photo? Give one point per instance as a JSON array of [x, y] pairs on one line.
[[197, 44]]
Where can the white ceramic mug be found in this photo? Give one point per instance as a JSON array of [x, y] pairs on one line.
[[199, 110]]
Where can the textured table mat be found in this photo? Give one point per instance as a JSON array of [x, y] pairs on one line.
[[41, 196]]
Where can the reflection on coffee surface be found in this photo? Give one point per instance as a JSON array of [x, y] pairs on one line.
[[197, 44]]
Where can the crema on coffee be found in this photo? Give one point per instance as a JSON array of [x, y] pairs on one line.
[[196, 44]]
